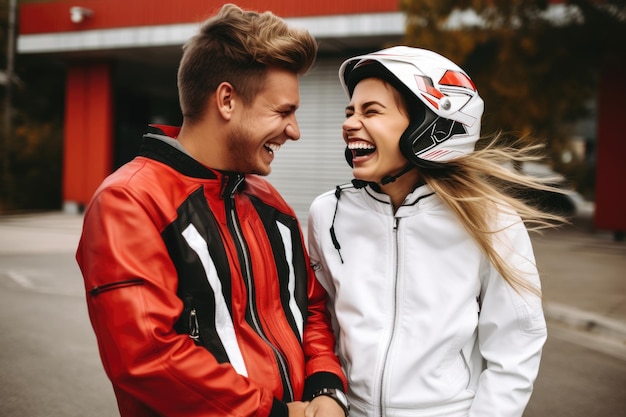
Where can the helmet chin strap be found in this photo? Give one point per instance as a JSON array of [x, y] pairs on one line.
[[384, 180], [391, 178]]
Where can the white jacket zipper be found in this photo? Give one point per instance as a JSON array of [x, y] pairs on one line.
[[393, 321]]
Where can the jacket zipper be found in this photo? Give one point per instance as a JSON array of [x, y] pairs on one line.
[[113, 285], [194, 326], [247, 272], [395, 317]]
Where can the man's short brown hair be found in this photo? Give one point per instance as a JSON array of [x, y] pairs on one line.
[[238, 46]]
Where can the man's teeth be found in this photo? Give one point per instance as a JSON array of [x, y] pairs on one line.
[[274, 147]]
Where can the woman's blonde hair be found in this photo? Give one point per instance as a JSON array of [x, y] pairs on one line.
[[238, 46], [479, 184]]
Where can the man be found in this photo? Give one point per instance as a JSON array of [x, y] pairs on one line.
[[198, 285]]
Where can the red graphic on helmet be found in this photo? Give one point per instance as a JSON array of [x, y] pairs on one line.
[[425, 84], [457, 79], [450, 78]]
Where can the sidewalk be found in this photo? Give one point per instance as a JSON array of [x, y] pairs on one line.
[[583, 272], [49, 232], [583, 276]]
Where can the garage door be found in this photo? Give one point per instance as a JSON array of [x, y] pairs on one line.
[[315, 163]]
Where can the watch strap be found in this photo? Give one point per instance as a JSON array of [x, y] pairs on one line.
[[340, 398]]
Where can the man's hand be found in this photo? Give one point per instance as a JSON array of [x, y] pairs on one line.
[[323, 406], [297, 408]]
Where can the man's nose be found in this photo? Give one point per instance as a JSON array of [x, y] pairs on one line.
[[292, 130]]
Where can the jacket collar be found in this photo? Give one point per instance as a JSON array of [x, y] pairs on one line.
[[381, 202], [167, 150], [160, 148]]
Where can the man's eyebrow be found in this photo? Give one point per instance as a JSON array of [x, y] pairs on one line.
[[288, 107]]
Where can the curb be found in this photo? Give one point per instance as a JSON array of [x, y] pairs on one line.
[[585, 321]]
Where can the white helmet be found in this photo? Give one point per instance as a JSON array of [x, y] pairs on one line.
[[450, 125]]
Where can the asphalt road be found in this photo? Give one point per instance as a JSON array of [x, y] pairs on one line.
[[576, 380], [49, 364]]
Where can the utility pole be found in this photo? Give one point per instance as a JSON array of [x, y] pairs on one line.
[[7, 185]]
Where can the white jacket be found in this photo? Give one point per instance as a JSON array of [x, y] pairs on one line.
[[426, 325]]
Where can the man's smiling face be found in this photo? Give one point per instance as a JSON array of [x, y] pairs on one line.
[[266, 124]]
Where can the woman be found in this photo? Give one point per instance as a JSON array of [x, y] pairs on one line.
[[435, 293]]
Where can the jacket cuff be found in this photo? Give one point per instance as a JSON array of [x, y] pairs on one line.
[[320, 380], [279, 409]]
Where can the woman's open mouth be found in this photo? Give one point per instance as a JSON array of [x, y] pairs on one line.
[[361, 148]]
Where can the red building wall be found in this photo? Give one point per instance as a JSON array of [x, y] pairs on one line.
[[610, 198], [109, 14], [88, 136]]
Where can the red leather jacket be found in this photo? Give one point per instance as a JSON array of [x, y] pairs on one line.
[[200, 291]]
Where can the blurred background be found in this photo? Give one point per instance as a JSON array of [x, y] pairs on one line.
[[81, 80]]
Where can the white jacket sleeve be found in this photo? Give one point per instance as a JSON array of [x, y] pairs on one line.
[[313, 246], [322, 273], [512, 331]]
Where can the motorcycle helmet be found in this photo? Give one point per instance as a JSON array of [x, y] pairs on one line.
[[444, 105]]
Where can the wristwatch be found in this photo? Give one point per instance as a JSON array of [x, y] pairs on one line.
[[336, 395]]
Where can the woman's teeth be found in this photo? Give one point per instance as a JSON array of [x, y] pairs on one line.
[[361, 148], [360, 145]]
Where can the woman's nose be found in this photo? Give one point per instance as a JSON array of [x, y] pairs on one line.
[[351, 123]]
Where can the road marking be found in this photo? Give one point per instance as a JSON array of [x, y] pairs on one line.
[[20, 279], [26, 283], [595, 342]]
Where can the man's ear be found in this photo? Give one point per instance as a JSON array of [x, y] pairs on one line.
[[225, 99]]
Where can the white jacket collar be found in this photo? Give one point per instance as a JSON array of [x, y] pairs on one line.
[[381, 202]]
